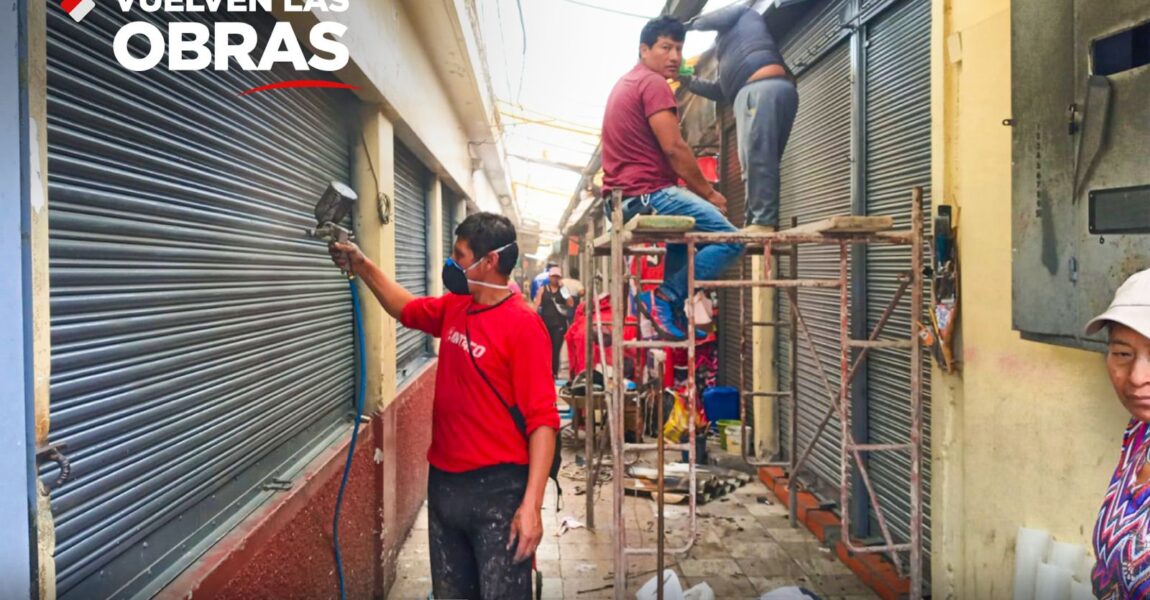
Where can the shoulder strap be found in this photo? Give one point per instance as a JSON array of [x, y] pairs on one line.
[[516, 414]]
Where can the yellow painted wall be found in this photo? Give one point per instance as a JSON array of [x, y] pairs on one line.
[[1029, 434], [378, 243]]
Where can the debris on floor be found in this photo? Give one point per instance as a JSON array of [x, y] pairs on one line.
[[711, 482], [789, 593], [567, 524], [673, 589], [744, 549]]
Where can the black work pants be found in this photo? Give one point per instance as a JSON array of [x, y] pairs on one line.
[[469, 525], [557, 332]]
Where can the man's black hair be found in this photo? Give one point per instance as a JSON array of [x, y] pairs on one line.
[[484, 232], [665, 26]]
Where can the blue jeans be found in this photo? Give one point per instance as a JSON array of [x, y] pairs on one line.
[[710, 261]]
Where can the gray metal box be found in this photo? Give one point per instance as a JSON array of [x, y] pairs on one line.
[[1081, 119]]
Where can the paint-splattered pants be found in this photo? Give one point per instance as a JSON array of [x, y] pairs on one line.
[[469, 524]]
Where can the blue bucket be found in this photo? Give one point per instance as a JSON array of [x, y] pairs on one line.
[[721, 403]]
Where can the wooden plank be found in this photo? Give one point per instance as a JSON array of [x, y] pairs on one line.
[[661, 223], [603, 242], [845, 224], [650, 224]]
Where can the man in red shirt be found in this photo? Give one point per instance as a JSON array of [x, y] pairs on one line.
[[644, 155], [494, 423]]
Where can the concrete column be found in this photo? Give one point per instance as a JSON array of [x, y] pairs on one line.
[[765, 378], [435, 240], [374, 181], [951, 566]]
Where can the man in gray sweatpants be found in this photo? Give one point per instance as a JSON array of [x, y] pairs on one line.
[[753, 76]]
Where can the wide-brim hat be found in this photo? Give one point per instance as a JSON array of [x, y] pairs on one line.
[[1130, 307]]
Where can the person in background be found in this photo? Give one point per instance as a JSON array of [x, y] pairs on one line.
[[761, 89], [541, 279], [494, 421], [1122, 569], [644, 156], [554, 303]]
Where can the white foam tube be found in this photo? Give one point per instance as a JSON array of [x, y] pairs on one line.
[[1081, 591], [1030, 549], [1085, 568], [1067, 556], [1053, 583]]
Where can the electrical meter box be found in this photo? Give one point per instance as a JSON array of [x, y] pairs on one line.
[[1081, 160]]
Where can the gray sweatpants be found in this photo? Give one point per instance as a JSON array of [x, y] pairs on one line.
[[764, 114]]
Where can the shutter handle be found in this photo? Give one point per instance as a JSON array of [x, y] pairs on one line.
[[55, 453], [384, 202]]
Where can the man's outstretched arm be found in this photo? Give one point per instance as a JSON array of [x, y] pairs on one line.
[[392, 296], [665, 125], [719, 20], [706, 88]]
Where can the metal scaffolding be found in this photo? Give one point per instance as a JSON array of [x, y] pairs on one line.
[[633, 239]]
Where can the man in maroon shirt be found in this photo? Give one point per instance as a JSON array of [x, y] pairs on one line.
[[644, 154], [494, 419]]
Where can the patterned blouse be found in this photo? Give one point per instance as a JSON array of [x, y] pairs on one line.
[[1122, 533]]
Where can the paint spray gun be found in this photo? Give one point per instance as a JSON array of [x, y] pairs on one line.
[[332, 209]]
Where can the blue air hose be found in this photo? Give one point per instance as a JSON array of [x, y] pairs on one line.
[[361, 388]]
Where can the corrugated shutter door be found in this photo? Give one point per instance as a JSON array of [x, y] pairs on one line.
[[199, 339], [732, 312], [898, 158], [450, 202], [411, 249], [819, 30], [816, 184]]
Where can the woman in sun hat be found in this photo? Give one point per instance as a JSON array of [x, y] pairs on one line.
[[1122, 532]]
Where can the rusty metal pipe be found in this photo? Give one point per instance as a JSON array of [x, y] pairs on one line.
[[916, 258], [793, 296], [591, 475], [879, 515], [878, 328], [777, 283], [844, 392], [617, 388]]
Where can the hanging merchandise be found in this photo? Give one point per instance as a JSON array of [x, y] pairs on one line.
[[678, 423], [576, 336], [938, 335], [706, 366]]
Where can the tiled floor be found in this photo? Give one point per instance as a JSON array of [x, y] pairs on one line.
[[744, 549]]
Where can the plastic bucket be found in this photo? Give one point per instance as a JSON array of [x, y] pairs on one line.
[[721, 403]]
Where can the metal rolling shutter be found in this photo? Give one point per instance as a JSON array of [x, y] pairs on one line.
[[411, 247], [732, 313], [897, 83], [820, 30], [199, 340], [816, 181], [450, 202]]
